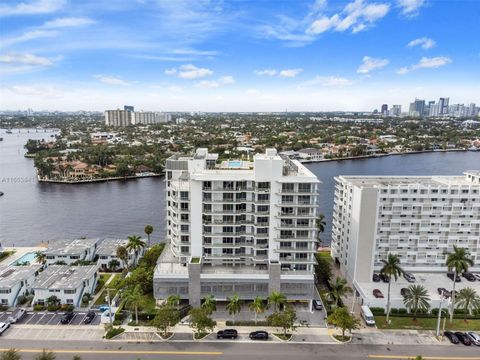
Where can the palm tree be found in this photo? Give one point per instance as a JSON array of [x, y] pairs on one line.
[[339, 289], [392, 270], [122, 254], [459, 261], [468, 300], [257, 306], [276, 299], [209, 304], [173, 300], [40, 257], [45, 355], [234, 305], [133, 299], [148, 230], [136, 244], [320, 222], [11, 354], [113, 264], [416, 298]]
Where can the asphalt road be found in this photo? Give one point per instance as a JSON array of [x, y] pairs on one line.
[[236, 351]]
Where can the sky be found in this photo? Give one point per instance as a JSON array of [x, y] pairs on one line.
[[258, 55]]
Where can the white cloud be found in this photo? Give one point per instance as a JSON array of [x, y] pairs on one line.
[[424, 42], [323, 24], [27, 36], [112, 80], [189, 72], [67, 22], [410, 7], [426, 63], [266, 72], [210, 84], [36, 91], [32, 7], [326, 81], [370, 64], [25, 59], [290, 73], [175, 89], [226, 80]]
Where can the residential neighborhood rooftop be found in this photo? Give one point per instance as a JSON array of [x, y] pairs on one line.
[[110, 246], [63, 276], [11, 275], [70, 247]]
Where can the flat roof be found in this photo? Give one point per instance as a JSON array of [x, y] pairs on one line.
[[109, 246], [11, 275], [70, 247], [63, 276]]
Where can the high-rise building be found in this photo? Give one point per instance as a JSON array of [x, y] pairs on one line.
[[434, 110], [443, 105], [118, 118], [126, 117], [238, 227], [384, 109], [417, 108], [396, 110]]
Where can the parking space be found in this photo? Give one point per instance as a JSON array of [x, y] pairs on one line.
[[50, 318], [4, 316], [70, 333]]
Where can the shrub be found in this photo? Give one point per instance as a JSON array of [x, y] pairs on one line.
[[459, 311], [22, 299], [435, 311], [53, 307], [117, 322], [377, 311], [67, 307], [146, 316], [113, 332], [3, 307], [38, 307], [401, 311]]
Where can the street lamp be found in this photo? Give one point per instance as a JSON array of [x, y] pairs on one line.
[[442, 297]]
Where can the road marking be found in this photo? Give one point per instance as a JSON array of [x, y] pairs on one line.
[[423, 357], [120, 352]]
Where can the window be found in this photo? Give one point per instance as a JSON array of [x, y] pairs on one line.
[[287, 187], [184, 228], [227, 240], [184, 206], [227, 207], [228, 185], [287, 199], [227, 251], [262, 208], [263, 185], [227, 196], [185, 238], [207, 185], [304, 188], [184, 195], [263, 197], [70, 291], [184, 249]]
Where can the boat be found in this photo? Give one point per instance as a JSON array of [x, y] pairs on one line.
[[9, 131], [473, 148]]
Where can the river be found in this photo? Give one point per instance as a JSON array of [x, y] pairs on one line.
[[32, 212]]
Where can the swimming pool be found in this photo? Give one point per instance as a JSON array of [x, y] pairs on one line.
[[27, 258], [234, 164]]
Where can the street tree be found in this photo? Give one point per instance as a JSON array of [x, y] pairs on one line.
[[392, 270], [166, 317], [342, 318]]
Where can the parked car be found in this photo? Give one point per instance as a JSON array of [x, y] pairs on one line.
[[444, 291], [384, 278], [474, 337], [464, 338], [451, 274], [452, 337], [259, 335], [67, 317], [376, 278], [317, 305], [104, 308], [378, 294], [477, 276], [16, 315], [4, 327], [409, 277], [469, 276], [403, 291], [227, 334], [89, 317]]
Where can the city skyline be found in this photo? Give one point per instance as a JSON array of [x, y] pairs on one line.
[[236, 56]]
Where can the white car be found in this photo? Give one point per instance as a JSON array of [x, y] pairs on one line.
[[4, 327], [474, 337]]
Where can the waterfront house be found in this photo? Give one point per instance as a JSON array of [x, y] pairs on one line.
[[311, 154], [107, 251], [67, 283], [16, 281], [69, 251]]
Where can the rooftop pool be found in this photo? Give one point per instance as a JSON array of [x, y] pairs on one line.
[[235, 164], [26, 258]]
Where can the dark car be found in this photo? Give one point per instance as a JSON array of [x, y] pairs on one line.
[[377, 293], [409, 277], [376, 278], [67, 317], [469, 276], [385, 278], [89, 317], [227, 334], [443, 291], [452, 337], [451, 275], [259, 335], [464, 338], [403, 291], [317, 305]]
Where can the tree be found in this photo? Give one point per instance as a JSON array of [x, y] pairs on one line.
[[173, 300], [209, 304], [459, 261], [234, 305], [468, 300], [122, 254], [166, 317], [40, 257], [133, 299], [53, 301], [45, 355], [276, 299], [283, 319], [323, 268], [342, 318], [11, 354], [320, 223], [392, 270], [416, 298], [200, 321], [339, 289], [113, 264], [257, 306], [136, 244], [148, 230]]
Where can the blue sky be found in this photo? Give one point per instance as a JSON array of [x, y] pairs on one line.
[[237, 55]]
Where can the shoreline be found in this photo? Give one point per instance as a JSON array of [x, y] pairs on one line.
[[90, 181]]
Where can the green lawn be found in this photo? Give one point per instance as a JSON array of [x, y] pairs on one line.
[[407, 323], [103, 279]]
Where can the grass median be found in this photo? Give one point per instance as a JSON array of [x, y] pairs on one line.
[[407, 323]]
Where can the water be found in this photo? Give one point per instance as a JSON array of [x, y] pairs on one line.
[[27, 258], [31, 212]]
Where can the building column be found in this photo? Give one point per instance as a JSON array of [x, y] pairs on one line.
[[274, 272], [194, 286]]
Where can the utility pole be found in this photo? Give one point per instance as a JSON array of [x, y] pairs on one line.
[[439, 315], [109, 307]]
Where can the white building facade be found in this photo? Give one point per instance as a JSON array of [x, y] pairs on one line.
[[16, 281], [69, 251], [238, 227]]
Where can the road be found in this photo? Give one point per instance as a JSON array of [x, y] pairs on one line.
[[90, 350]]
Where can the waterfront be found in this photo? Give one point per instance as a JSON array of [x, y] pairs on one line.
[[32, 212]]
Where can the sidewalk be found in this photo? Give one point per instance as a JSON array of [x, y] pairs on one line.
[[396, 337]]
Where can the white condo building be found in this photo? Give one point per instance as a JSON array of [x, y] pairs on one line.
[[244, 227]]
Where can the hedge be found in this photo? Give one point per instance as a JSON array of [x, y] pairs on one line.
[[245, 323], [377, 311]]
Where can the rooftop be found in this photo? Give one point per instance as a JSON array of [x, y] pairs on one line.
[[10, 276], [70, 247], [109, 246], [63, 276]]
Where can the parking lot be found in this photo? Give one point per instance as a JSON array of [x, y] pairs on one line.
[[50, 318]]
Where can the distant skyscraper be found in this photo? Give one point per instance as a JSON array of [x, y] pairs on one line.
[[384, 109], [417, 108], [443, 103], [396, 110], [129, 108]]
